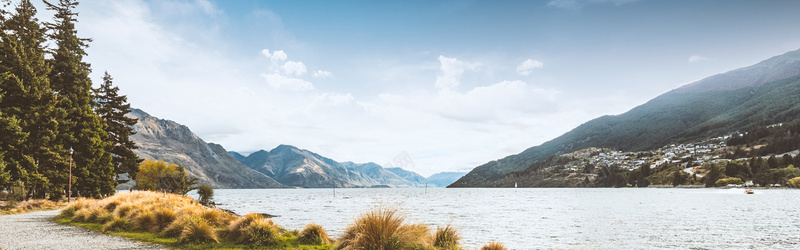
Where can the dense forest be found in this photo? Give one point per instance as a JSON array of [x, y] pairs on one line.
[[53, 125]]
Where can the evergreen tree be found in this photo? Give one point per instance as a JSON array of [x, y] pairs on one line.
[[28, 101], [113, 107], [80, 129]]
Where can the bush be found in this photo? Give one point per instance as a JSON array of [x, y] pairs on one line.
[[727, 181], [314, 234], [206, 194], [794, 182]]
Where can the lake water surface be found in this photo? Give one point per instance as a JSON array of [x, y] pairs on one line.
[[623, 218]]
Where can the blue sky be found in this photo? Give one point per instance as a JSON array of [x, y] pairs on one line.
[[453, 83]]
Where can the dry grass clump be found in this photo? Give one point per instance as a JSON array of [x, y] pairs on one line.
[[197, 230], [261, 233], [314, 234], [494, 246], [234, 230], [384, 228], [446, 238], [117, 224]]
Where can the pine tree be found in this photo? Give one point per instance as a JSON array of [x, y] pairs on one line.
[[80, 129], [113, 107], [28, 101]]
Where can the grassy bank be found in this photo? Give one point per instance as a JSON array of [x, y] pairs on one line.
[[7, 207], [180, 222]]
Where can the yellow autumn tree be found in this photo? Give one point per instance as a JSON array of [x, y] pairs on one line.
[[163, 176]]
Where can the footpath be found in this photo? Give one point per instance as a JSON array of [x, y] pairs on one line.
[[35, 230]]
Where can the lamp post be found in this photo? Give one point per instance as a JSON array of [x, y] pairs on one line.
[[69, 188]]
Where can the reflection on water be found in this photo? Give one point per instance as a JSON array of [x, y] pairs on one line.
[[646, 218]]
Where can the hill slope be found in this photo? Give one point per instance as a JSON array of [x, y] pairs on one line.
[[765, 93], [173, 142]]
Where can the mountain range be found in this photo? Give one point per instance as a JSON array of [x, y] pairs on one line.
[[762, 94], [167, 140], [284, 166], [292, 166]]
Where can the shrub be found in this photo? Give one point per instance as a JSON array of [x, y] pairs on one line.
[[206, 194], [794, 182], [197, 230], [314, 234], [383, 228], [729, 180], [446, 237], [261, 233], [494, 246]]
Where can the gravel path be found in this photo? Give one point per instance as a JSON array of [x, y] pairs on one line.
[[35, 231]]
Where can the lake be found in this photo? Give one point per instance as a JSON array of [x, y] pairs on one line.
[[565, 218]]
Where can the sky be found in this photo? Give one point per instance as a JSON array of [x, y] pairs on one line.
[[430, 86]]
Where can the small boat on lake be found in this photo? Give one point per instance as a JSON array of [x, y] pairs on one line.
[[749, 191]]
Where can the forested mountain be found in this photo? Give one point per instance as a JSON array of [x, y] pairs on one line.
[[166, 140], [738, 100]]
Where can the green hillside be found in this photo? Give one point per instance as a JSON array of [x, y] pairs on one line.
[[710, 107]]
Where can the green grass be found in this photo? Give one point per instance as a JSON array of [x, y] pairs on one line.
[[172, 242]]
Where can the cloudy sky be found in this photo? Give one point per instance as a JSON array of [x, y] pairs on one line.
[[453, 84]]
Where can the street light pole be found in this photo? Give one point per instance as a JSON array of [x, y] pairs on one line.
[[69, 189]]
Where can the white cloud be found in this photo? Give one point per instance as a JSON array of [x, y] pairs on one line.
[[697, 58], [323, 74], [275, 57], [526, 67], [294, 68], [282, 82], [451, 71]]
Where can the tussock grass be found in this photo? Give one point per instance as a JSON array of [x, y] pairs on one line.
[[384, 228], [197, 230], [446, 238], [494, 246], [181, 222], [117, 224], [236, 229], [261, 233], [314, 234]]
